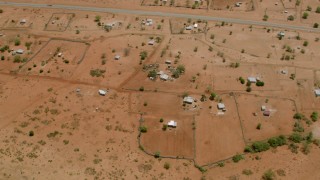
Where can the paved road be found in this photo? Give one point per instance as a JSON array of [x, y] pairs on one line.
[[163, 14]]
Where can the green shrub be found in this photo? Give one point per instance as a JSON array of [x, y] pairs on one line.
[[260, 146], [247, 172], [237, 158], [143, 129], [212, 96], [166, 165], [268, 175], [298, 116], [141, 88], [161, 120], [296, 137], [248, 149], [157, 154], [277, 141], [164, 127], [314, 116], [260, 83], [31, 133], [97, 72], [152, 73], [305, 15], [318, 9], [242, 81], [17, 42]]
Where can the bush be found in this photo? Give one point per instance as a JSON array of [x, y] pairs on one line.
[[1, 11], [247, 172], [166, 165], [97, 72], [318, 9], [152, 73], [290, 18], [268, 175], [305, 148], [258, 126], [293, 148], [143, 129], [17, 59], [161, 120], [314, 116], [260, 83], [305, 15], [212, 96], [305, 43], [164, 127], [242, 81], [248, 89], [97, 18], [277, 141], [248, 149], [181, 69], [260, 146], [315, 25], [143, 55], [157, 154], [298, 116], [141, 88], [296, 137], [237, 158], [17, 42], [31, 133]]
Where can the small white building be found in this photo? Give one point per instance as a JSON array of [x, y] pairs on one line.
[[168, 62], [195, 25], [252, 79], [149, 22], [221, 106], [164, 77], [23, 21], [281, 34], [151, 42], [117, 57], [172, 124], [20, 51], [317, 92], [263, 108], [189, 27], [59, 54], [102, 92], [188, 100]]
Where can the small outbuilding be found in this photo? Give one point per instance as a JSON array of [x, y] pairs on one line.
[[195, 25], [252, 79], [281, 34], [164, 77], [263, 108], [168, 62], [317, 92], [151, 42], [266, 113], [221, 106], [23, 21], [102, 92], [188, 100], [189, 28], [117, 57], [172, 124], [20, 51]]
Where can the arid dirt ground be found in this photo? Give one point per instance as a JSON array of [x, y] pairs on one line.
[[55, 125]]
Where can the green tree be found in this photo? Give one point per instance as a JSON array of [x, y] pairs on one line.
[[268, 175], [296, 137], [305, 15]]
